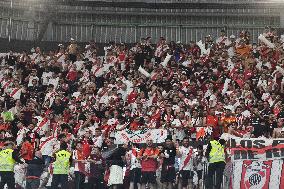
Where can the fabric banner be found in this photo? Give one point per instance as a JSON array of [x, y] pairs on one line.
[[250, 174], [256, 149], [140, 136]]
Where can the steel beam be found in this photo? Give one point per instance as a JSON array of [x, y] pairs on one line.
[[176, 5], [159, 4]]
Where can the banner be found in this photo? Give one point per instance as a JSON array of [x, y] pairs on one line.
[[249, 174], [140, 136], [256, 148]]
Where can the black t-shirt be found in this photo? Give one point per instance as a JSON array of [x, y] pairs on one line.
[[172, 154], [258, 129], [116, 157], [255, 121], [58, 108], [266, 112]]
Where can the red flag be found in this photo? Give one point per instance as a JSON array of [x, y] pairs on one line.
[[200, 133]]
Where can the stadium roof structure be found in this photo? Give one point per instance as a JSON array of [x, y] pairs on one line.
[[178, 4], [165, 4], [95, 15]]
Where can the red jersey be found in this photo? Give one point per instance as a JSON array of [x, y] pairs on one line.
[[149, 164]]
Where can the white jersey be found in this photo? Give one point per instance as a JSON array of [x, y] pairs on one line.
[[134, 162], [98, 141], [20, 135], [47, 145], [184, 155]]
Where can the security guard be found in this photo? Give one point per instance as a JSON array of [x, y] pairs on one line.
[[215, 154], [61, 166], [8, 159]]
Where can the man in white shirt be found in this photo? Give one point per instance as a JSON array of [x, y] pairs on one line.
[[185, 153], [46, 146], [178, 126], [21, 133], [135, 167]]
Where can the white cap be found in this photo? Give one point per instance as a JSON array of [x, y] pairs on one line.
[[232, 36], [72, 39]]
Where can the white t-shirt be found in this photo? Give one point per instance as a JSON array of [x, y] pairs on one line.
[[53, 81], [45, 77], [184, 154]]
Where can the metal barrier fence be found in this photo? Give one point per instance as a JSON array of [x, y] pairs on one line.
[[26, 180]]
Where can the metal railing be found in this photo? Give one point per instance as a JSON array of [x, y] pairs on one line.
[[23, 179]]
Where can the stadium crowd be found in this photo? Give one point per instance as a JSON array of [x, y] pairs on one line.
[[74, 101]]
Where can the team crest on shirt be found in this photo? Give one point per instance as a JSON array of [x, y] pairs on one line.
[[256, 174]]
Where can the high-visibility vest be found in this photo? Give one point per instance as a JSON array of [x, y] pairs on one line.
[[61, 165], [7, 162], [217, 153]]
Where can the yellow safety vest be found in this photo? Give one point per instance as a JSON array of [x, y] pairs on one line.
[[7, 162], [217, 153], [61, 165]]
